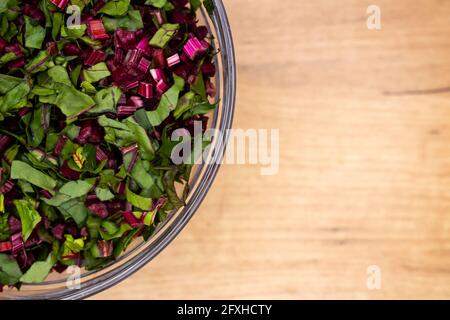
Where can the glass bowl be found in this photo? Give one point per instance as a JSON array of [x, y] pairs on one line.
[[203, 175]]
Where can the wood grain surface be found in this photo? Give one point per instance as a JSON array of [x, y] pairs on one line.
[[364, 119]]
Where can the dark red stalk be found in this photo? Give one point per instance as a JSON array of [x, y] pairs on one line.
[[94, 57], [3, 44], [17, 243], [52, 48], [60, 145], [71, 49], [99, 209], [131, 219], [145, 90], [5, 246], [123, 111], [34, 12], [7, 186]]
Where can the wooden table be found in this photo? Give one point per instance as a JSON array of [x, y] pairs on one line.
[[364, 179]]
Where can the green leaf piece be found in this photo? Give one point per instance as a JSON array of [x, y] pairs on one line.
[[117, 232], [164, 35], [75, 189], [138, 201], [28, 216], [38, 271], [10, 272], [106, 100], [156, 3], [22, 170], [131, 21], [74, 209], [96, 73], [59, 75], [34, 34], [115, 7], [73, 102], [195, 4], [104, 194], [169, 101]]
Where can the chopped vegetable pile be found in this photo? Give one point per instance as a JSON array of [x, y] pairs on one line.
[[90, 92]]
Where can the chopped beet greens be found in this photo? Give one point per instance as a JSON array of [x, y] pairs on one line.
[[86, 114]]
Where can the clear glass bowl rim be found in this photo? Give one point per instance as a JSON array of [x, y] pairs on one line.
[[227, 74]]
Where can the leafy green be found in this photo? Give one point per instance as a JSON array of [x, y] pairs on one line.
[[147, 151], [74, 33], [7, 57], [11, 153], [141, 175], [169, 184], [7, 83], [74, 209], [73, 102], [91, 165], [123, 243], [72, 245], [131, 21], [80, 3], [5, 233], [57, 22], [199, 108], [169, 101], [164, 35], [11, 32], [106, 100], [38, 271], [95, 44], [22, 170], [170, 98], [75, 74], [59, 75], [28, 216], [195, 4], [209, 6], [44, 7], [10, 272], [104, 194], [75, 189], [156, 3], [116, 7], [34, 34], [110, 231], [15, 98], [37, 132], [57, 200], [116, 133], [184, 104], [96, 73], [2, 203], [79, 158], [137, 200], [88, 87], [7, 4], [38, 63], [199, 86]]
